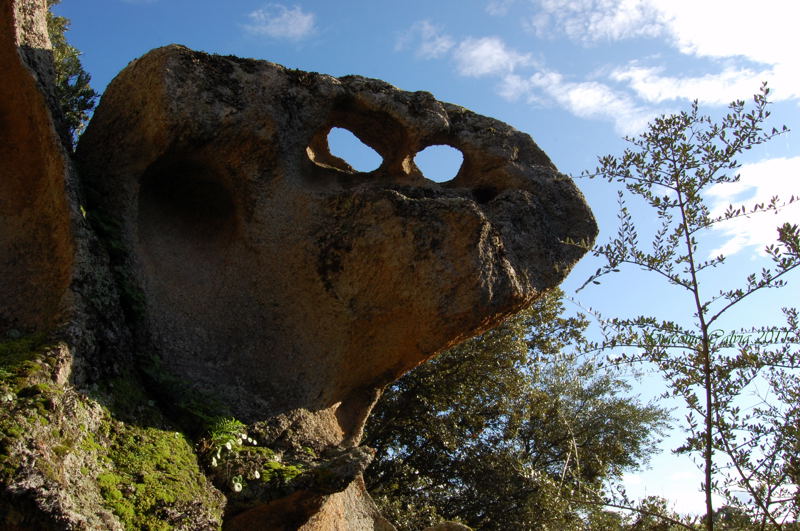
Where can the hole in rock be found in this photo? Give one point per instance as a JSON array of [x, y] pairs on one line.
[[484, 194], [439, 163], [345, 145], [186, 205]]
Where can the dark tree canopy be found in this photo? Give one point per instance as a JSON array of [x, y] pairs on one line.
[[508, 431]]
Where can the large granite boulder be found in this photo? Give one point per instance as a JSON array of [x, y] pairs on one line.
[[218, 336], [277, 277]]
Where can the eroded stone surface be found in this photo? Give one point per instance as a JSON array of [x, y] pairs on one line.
[[285, 283], [36, 246], [282, 279]]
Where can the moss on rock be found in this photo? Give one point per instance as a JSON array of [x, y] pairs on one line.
[[154, 481], [101, 460]]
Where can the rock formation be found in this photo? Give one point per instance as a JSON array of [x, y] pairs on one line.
[[36, 247], [236, 269]]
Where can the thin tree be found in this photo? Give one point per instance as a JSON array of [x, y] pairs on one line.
[[670, 167]]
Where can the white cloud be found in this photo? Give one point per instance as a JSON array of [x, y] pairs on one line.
[[514, 87], [595, 20], [746, 42], [280, 22], [727, 28], [498, 8], [487, 56], [429, 39], [758, 184], [716, 89], [736, 31], [723, 29], [586, 99], [491, 56]]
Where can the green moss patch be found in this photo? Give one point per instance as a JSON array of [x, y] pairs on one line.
[[113, 452], [18, 360], [25, 402], [154, 477]]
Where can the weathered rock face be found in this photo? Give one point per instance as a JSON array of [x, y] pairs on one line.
[[36, 247], [281, 281], [280, 278], [257, 272]]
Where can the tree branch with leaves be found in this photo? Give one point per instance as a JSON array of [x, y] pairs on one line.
[[671, 167]]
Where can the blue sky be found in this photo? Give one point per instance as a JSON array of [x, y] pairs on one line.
[[576, 75]]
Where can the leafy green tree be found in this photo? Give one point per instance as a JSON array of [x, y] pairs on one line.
[[507, 431], [75, 95], [749, 455], [654, 514]]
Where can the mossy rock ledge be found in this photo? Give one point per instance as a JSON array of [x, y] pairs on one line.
[[67, 461], [107, 458]]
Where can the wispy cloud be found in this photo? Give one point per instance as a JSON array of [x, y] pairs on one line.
[[750, 45], [428, 39], [280, 22], [487, 56], [729, 28], [498, 8], [586, 99], [594, 20], [473, 57], [493, 57], [718, 89], [733, 31], [758, 184]]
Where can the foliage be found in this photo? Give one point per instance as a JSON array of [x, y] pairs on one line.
[[671, 166], [227, 431], [506, 431], [247, 471], [76, 97]]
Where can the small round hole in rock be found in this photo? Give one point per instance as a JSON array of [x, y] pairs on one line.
[[345, 145], [439, 163]]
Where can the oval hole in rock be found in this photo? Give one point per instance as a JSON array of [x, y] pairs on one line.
[[439, 163], [345, 145]]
